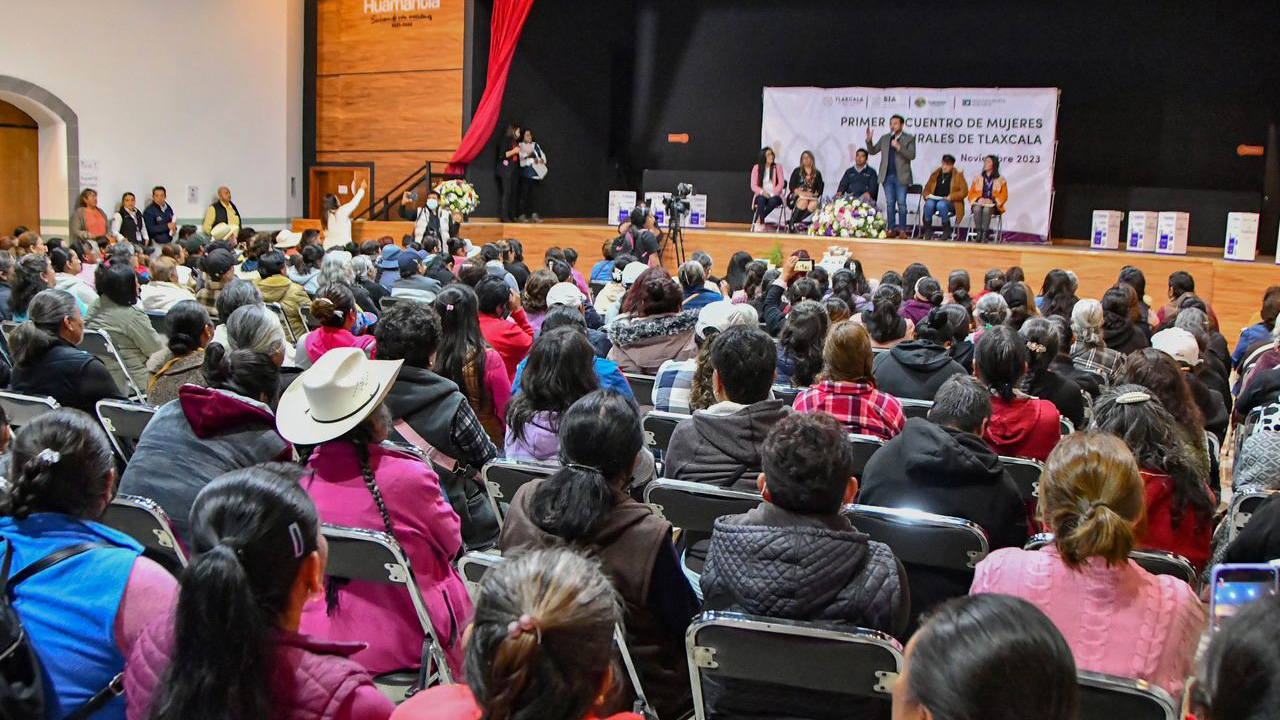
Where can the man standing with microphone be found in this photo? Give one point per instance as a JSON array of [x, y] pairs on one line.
[[895, 171]]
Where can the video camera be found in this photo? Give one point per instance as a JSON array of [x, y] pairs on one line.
[[677, 203]]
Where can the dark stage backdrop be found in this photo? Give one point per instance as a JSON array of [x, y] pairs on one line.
[[1155, 96]]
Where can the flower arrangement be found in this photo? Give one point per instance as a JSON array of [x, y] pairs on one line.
[[848, 217], [458, 196]]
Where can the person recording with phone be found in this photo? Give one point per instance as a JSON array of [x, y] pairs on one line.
[[899, 150], [430, 218]]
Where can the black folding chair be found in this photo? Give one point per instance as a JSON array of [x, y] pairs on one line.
[[22, 409], [1107, 697], [124, 422], [157, 321], [387, 302], [1026, 475], [502, 478], [916, 408], [658, 428], [308, 320], [864, 446], [804, 656], [98, 344], [1156, 562], [145, 521], [641, 387], [473, 566], [786, 394], [283, 317], [694, 508], [375, 556], [1243, 506]]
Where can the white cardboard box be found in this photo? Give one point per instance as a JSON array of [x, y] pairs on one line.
[[621, 203], [1106, 229], [1242, 236], [1172, 230], [1142, 231]]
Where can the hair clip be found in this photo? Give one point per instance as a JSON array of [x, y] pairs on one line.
[[448, 308], [295, 535], [1034, 346], [584, 468], [48, 456], [1132, 398], [525, 624]]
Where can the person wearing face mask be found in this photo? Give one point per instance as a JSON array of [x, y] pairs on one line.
[[128, 225], [429, 218]]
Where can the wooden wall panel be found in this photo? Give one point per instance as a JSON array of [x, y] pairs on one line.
[[20, 181], [408, 111], [351, 40], [389, 168]]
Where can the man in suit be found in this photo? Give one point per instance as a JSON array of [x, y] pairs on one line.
[[899, 150]]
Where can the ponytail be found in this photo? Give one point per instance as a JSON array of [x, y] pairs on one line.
[[1000, 361], [600, 437], [929, 290], [1092, 497], [1041, 340], [61, 463], [31, 339], [244, 372], [251, 531], [883, 321]]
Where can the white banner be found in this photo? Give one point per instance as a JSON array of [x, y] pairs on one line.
[[1018, 125]]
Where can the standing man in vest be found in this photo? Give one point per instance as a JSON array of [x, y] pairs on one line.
[[127, 225], [159, 217], [222, 211], [899, 150]]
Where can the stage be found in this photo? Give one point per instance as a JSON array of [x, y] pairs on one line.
[[1234, 289]]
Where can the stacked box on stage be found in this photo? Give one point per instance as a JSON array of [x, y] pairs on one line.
[[621, 202], [1172, 230], [1143, 226], [1106, 229], [697, 217], [1242, 236]]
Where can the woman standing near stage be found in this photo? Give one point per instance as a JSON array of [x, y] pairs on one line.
[[507, 172], [767, 184], [987, 196], [806, 187]]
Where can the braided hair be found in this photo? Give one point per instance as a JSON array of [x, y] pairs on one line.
[[62, 464]]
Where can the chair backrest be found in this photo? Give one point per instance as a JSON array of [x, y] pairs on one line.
[[157, 321], [1245, 429], [916, 408], [502, 478], [145, 521], [694, 507], [375, 556], [473, 566], [1252, 358], [864, 446], [921, 538], [641, 387], [278, 309], [98, 344], [804, 656], [1212, 445], [1026, 475], [786, 394], [1065, 426], [1243, 506], [7, 326], [1107, 697], [387, 302], [124, 423], [595, 287], [1156, 562], [658, 427], [22, 409], [308, 320]]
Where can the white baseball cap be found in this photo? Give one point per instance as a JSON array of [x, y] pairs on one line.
[[565, 293], [1179, 345], [631, 272], [723, 314]]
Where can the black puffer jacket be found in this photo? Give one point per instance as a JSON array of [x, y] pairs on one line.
[[781, 564], [722, 449], [914, 369]]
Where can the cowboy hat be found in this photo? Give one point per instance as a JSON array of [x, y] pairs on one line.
[[288, 239], [334, 395], [224, 231]]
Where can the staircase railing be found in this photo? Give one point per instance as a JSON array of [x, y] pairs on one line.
[[380, 209]]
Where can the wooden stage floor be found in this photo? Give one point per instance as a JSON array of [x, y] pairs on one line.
[[1234, 289]]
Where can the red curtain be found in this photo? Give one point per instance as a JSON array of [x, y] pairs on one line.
[[508, 21]]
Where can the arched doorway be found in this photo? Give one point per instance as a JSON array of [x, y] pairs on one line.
[[58, 149], [20, 173]]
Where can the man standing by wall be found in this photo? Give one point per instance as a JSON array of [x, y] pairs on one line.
[[899, 150], [224, 211], [159, 217]]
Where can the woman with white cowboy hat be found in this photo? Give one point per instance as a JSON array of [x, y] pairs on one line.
[[337, 406]]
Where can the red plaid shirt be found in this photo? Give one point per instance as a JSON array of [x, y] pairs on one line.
[[858, 406]]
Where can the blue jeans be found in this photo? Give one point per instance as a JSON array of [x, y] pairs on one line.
[[895, 196], [944, 208]]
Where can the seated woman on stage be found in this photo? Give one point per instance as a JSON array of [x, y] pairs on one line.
[[806, 187], [766, 183], [987, 196]]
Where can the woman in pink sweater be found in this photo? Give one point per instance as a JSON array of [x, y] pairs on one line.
[[1118, 618]]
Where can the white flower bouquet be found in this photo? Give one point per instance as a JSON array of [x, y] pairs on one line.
[[458, 196], [847, 217]]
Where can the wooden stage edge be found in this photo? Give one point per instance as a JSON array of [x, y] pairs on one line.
[[1234, 289]]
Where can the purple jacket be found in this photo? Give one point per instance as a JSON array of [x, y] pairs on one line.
[[540, 439], [427, 529], [310, 679], [915, 310]]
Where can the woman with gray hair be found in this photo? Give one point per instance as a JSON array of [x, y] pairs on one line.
[[1090, 351], [693, 285], [337, 269], [254, 328], [990, 311], [366, 274]]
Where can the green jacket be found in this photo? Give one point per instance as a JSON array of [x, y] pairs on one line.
[[131, 332]]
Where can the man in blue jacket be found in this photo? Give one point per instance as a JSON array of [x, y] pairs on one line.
[[860, 180], [159, 217]]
